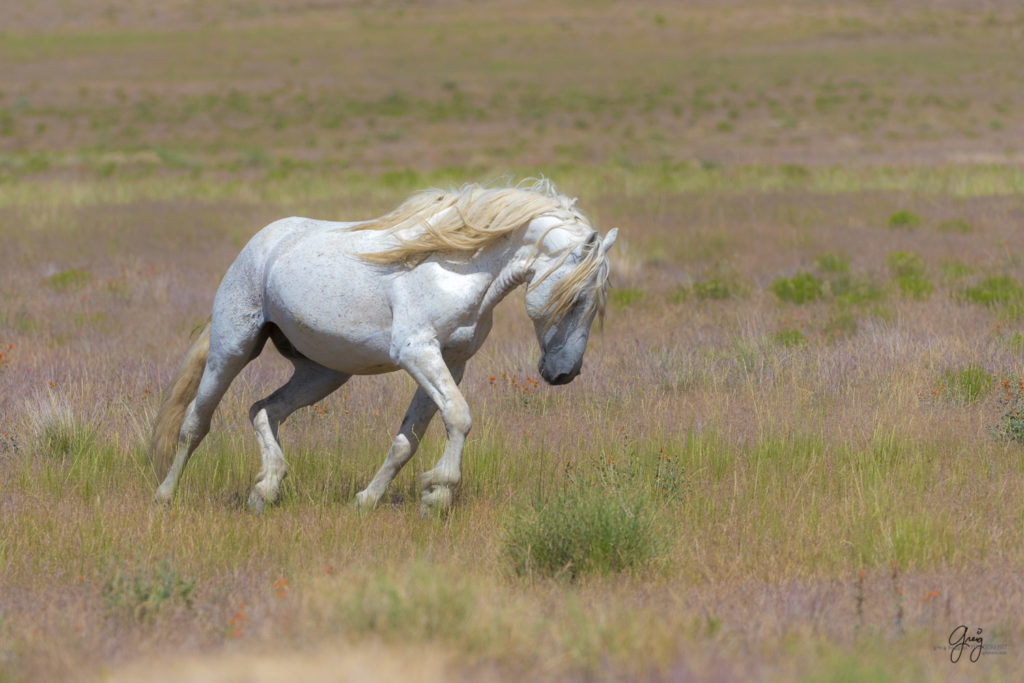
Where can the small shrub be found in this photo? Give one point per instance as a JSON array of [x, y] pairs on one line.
[[70, 280], [1001, 290], [799, 289], [904, 219], [581, 529], [145, 595]]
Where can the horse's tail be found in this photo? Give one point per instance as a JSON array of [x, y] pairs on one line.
[[163, 442]]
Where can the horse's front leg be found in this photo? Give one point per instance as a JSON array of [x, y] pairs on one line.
[[417, 418], [426, 365]]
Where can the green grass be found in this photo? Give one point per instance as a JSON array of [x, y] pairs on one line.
[[966, 385]]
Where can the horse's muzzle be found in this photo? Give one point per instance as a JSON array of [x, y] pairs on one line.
[[552, 374]]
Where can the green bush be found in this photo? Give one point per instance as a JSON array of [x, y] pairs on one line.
[[799, 289], [994, 291], [584, 528], [904, 219]]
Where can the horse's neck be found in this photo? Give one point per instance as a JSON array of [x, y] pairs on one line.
[[512, 270], [517, 257]]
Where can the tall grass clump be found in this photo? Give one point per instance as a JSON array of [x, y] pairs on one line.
[[57, 432], [584, 528], [967, 385]]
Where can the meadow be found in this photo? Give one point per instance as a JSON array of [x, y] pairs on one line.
[[807, 396]]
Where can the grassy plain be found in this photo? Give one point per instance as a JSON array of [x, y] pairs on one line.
[[817, 299]]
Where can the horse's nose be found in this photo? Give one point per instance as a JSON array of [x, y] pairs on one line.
[[562, 378], [556, 377]]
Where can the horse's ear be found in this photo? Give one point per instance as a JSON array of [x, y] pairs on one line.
[[587, 245], [609, 240]]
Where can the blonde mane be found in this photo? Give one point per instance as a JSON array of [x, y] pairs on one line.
[[466, 219], [475, 216]]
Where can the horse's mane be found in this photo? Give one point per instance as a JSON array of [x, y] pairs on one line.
[[474, 216], [466, 219]]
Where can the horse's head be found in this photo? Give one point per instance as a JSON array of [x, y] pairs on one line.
[[566, 291]]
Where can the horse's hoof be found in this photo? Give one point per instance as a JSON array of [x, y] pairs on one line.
[[256, 504], [163, 496], [434, 500], [363, 502]]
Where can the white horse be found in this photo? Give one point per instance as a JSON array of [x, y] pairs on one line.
[[412, 290]]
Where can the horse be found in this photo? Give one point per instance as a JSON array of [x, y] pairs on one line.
[[412, 290]]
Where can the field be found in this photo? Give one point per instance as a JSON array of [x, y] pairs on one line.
[[808, 393]]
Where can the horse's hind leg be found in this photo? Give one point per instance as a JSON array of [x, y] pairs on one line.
[[222, 366], [308, 384]]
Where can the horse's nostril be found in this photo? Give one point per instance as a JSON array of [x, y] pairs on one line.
[[563, 378]]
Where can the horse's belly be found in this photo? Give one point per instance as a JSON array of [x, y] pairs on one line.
[[330, 311], [350, 351]]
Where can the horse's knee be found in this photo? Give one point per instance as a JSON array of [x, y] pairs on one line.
[[457, 417], [401, 448]]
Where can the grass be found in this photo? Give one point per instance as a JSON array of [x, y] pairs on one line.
[[755, 477]]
